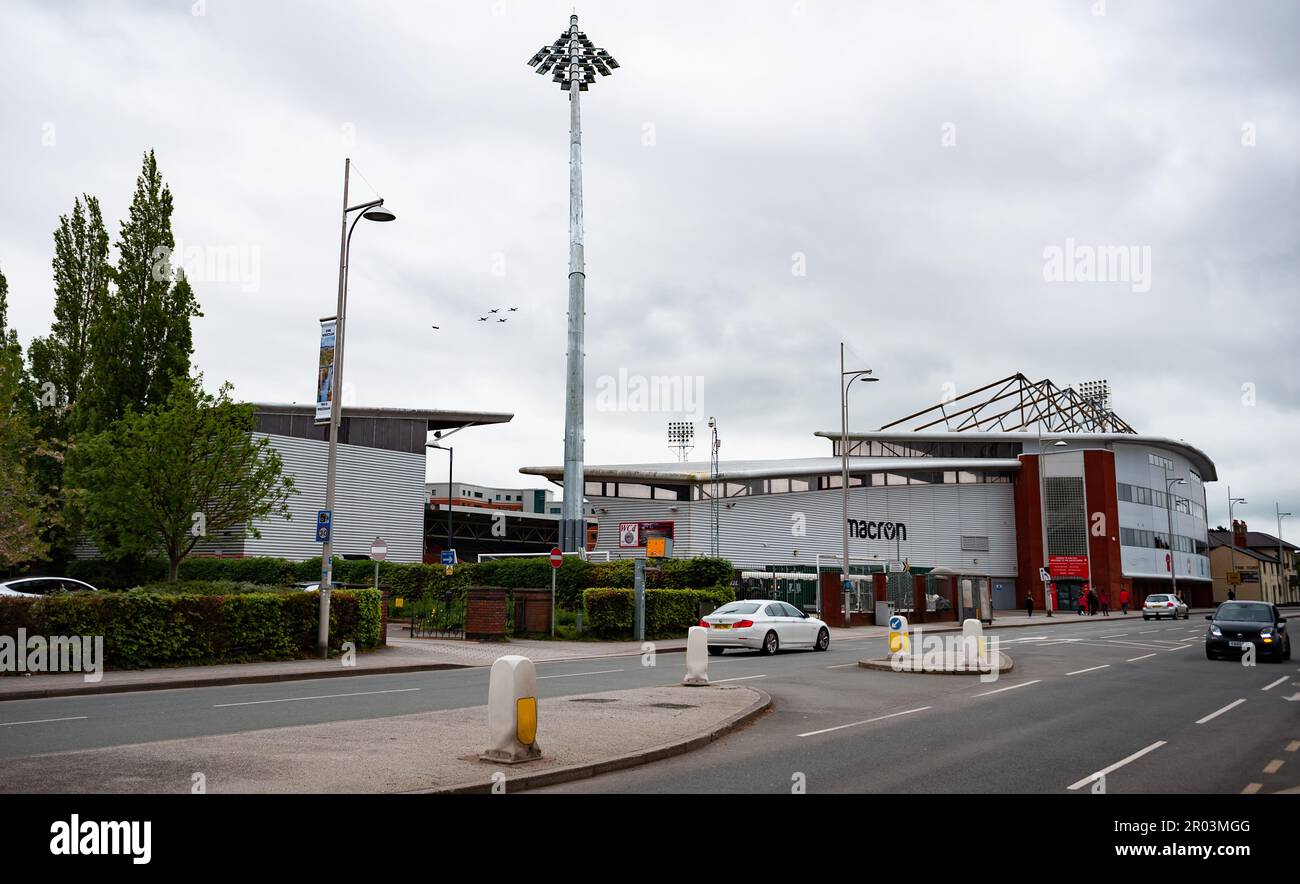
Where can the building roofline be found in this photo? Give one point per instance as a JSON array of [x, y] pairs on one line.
[[437, 419], [699, 471]]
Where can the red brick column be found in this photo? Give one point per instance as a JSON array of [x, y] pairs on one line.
[[485, 613], [537, 610], [1029, 531], [1103, 550], [918, 598]]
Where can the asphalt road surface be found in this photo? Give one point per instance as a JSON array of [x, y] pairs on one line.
[[1137, 702]]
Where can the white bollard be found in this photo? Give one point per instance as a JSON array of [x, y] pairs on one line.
[[697, 657], [972, 639], [512, 711]]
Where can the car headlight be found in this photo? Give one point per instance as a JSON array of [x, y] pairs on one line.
[[1266, 632], [1216, 631]]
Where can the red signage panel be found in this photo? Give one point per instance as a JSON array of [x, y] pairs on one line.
[[1068, 567]]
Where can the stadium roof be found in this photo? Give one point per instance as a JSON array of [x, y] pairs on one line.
[[740, 470]]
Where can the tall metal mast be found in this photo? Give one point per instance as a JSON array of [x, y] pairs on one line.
[[575, 63]]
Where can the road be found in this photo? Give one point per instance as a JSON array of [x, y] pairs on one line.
[[1136, 700]]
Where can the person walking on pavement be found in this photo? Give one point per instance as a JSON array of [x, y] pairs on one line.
[[1232, 594], [1124, 600], [1104, 598], [1092, 602], [1029, 604], [1083, 603]]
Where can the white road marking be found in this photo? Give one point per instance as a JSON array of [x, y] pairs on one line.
[[1116, 635], [1252, 788], [1233, 705], [1116, 766], [1178, 648], [576, 674], [1059, 641], [742, 678], [1273, 766], [1023, 684], [1089, 669], [842, 665], [1148, 632], [319, 697], [1276, 683], [1135, 659], [43, 720], [1293, 745], [868, 721]]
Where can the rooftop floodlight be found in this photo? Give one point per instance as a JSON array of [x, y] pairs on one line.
[[575, 63]]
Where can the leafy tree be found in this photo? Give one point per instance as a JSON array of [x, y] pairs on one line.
[[24, 511], [61, 361], [157, 480], [140, 337]]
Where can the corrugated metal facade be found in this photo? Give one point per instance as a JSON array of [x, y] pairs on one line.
[[378, 494], [760, 530]]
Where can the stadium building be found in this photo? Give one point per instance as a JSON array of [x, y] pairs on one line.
[[964, 487]]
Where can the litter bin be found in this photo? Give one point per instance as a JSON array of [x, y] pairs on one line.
[[884, 610]]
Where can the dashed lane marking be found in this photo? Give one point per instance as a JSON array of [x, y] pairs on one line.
[[317, 697], [42, 720], [867, 721], [1273, 766], [1252, 788], [1089, 669], [1116, 766], [1023, 684], [1213, 715], [576, 674], [1275, 684], [1135, 659]]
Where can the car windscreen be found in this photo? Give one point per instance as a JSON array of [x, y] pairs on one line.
[[737, 608], [1157, 598], [1247, 613]]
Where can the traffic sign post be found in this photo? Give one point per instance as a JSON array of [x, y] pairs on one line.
[[557, 559], [378, 552]]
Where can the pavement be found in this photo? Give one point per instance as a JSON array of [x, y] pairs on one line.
[[580, 736], [406, 654]]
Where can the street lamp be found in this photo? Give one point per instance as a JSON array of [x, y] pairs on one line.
[[575, 62], [1169, 511], [1281, 568], [1042, 514], [451, 460], [852, 376], [371, 211], [1232, 528]]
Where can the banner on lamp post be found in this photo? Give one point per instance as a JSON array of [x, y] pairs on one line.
[[325, 370]]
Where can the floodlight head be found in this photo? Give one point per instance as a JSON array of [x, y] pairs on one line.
[[574, 59]]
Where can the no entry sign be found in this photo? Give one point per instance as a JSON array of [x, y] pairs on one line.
[[557, 557], [378, 549]]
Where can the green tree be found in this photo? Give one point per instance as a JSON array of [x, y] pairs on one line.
[[61, 361], [140, 338], [159, 480], [24, 512]]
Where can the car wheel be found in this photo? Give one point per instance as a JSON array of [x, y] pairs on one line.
[[824, 640], [770, 644], [715, 651]]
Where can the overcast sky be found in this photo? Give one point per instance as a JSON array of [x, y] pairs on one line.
[[763, 179]]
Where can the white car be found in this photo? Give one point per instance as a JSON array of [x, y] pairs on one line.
[[35, 587], [764, 625], [1163, 605]]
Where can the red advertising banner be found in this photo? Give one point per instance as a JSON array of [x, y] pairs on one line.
[[1068, 567]]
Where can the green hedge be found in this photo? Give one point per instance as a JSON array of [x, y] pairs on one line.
[[214, 587], [416, 581], [143, 629], [608, 612]]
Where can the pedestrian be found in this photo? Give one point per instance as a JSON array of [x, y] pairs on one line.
[[1092, 602], [1029, 604], [1124, 600], [1083, 603], [1232, 594], [1105, 603]]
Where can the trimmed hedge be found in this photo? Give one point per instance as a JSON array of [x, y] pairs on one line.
[[143, 629], [608, 612], [416, 581], [213, 587]]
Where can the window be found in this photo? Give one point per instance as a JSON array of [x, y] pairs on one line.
[[775, 611], [1125, 492], [974, 544], [792, 611]]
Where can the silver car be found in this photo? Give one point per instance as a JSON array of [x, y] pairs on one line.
[[35, 587], [764, 625], [1163, 605]]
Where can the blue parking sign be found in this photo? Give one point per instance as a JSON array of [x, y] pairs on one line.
[[448, 556], [324, 522]]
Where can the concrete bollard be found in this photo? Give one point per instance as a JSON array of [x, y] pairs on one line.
[[697, 657], [512, 711], [899, 643], [972, 640]]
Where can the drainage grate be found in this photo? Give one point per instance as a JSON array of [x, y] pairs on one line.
[[593, 700], [672, 706]]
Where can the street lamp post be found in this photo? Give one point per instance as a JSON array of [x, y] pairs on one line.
[[451, 459], [1281, 567], [852, 376], [575, 62], [371, 211], [1232, 528], [1169, 510]]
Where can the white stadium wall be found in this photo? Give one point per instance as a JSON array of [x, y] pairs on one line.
[[759, 530]]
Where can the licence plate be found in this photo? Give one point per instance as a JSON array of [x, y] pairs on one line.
[[1237, 644], [722, 626]]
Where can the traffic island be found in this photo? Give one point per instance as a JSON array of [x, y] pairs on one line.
[[948, 662], [582, 735]]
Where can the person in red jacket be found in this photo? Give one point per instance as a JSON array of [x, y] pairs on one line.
[[1105, 603], [1124, 600]]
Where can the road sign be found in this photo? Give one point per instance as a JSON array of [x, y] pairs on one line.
[[896, 567], [324, 525], [1044, 576], [629, 535], [378, 549], [658, 548], [557, 557], [447, 557]]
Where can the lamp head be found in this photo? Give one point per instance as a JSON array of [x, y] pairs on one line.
[[378, 213]]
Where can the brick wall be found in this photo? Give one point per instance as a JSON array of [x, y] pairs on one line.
[[485, 613]]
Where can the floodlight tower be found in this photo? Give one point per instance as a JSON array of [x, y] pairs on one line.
[[575, 62], [681, 438]]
